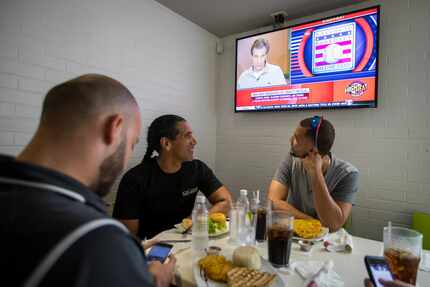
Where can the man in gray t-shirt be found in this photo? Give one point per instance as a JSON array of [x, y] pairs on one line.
[[311, 182]]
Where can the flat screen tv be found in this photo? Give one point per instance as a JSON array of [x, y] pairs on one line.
[[324, 64]]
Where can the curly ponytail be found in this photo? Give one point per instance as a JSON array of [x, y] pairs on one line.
[[163, 126]]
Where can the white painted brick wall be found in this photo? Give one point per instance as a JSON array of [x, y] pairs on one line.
[[56, 77], [27, 111], [16, 124], [167, 62], [21, 139], [8, 81], [14, 67], [19, 96], [6, 138], [390, 145], [8, 50], [6, 109], [34, 86], [39, 59]]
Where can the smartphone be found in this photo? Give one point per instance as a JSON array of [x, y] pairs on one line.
[[377, 268], [160, 252]]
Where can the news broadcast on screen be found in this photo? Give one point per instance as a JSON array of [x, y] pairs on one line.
[[324, 64]]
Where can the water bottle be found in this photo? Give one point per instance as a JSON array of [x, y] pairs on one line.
[[200, 235], [243, 217]]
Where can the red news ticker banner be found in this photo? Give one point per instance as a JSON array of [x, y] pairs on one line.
[[311, 93]]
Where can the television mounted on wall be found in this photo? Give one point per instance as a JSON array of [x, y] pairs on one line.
[[330, 63]]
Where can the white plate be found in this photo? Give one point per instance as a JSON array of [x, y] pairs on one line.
[[179, 229], [321, 236], [265, 267]]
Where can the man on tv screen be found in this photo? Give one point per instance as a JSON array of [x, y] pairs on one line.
[[311, 182], [261, 73]]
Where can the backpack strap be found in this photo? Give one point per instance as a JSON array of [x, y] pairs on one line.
[[43, 186], [58, 250]]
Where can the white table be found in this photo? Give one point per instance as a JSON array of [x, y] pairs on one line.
[[350, 266]]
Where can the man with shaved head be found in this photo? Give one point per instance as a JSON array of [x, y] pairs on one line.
[[54, 227]]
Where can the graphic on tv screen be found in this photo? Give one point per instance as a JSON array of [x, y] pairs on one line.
[[331, 63], [333, 49]]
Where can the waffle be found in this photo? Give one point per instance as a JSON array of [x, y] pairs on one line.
[[246, 277]]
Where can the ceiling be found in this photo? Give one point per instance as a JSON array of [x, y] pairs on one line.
[[227, 17]]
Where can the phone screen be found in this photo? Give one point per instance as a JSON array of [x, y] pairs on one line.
[[379, 270], [159, 252]]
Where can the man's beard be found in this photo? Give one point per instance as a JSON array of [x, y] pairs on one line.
[[109, 170], [294, 154]]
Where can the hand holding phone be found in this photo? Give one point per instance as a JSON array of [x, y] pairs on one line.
[[164, 273], [377, 268], [159, 252]]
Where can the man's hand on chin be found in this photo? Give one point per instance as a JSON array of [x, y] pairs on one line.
[[312, 163]]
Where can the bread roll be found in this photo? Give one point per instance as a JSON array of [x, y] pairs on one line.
[[186, 223], [247, 256]]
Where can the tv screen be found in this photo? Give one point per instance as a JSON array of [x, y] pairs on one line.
[[323, 64]]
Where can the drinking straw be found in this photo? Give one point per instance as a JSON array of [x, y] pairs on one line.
[[389, 232]]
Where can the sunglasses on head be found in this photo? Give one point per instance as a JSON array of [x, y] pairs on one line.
[[315, 127]]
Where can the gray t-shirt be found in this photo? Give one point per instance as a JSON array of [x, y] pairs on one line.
[[341, 179]]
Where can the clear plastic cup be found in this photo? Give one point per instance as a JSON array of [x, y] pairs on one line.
[[402, 251], [279, 238], [234, 224]]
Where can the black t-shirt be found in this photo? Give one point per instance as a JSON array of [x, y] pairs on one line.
[[158, 199]]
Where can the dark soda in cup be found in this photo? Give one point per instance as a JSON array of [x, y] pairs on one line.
[[260, 228], [402, 251], [279, 238], [403, 264]]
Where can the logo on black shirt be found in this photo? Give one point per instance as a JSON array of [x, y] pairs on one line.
[[190, 191]]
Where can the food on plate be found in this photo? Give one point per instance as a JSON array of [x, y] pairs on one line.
[[218, 268], [186, 223], [217, 217], [217, 223], [242, 276], [215, 267], [246, 256], [307, 228]]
